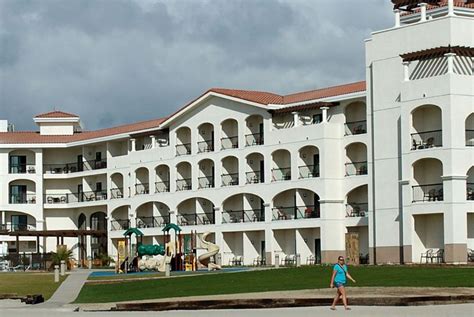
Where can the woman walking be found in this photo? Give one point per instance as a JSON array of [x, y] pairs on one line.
[[338, 280]]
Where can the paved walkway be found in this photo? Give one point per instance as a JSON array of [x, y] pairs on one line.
[[69, 289]]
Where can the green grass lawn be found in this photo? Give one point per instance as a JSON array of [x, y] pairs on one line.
[[22, 283], [125, 277], [275, 280]]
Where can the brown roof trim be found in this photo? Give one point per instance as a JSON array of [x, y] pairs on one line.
[[438, 52], [56, 114], [311, 106]]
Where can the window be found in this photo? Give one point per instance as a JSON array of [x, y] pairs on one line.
[[18, 194], [17, 164], [19, 222]]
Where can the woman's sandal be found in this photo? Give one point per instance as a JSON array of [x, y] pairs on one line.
[[332, 308]]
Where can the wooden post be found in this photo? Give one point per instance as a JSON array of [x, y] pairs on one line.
[[37, 244]]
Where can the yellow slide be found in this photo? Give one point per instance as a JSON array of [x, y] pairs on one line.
[[212, 250]]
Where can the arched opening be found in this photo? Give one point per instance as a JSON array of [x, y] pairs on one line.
[[206, 174], [195, 211], [120, 219], [254, 130], [230, 171], [162, 180], [470, 184], [357, 202], [296, 204], [230, 134], [356, 158], [183, 177], [308, 162], [22, 191], [116, 192], [243, 208], [81, 222], [426, 130], [98, 243], [183, 141], [428, 184], [356, 118], [205, 138], [82, 245], [142, 186], [255, 168], [22, 162], [470, 130], [19, 221], [153, 214], [281, 170]]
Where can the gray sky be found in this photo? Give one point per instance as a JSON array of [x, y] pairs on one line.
[[120, 61]]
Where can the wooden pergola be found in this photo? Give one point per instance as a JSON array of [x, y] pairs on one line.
[[438, 52]]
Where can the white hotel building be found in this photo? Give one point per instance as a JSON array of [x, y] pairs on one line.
[[388, 161]]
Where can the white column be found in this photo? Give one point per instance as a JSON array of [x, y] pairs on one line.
[[296, 118], [153, 142], [133, 142], [406, 71], [325, 114], [423, 11], [397, 17], [450, 59], [450, 7], [217, 215]]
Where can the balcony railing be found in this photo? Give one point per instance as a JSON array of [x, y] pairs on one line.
[[22, 169], [357, 209], [296, 212], [23, 198], [356, 127], [427, 139], [206, 146], [162, 187], [308, 171], [469, 137], [240, 216], [253, 139], [254, 177], [95, 164], [281, 174], [119, 224], [356, 168], [230, 179], [183, 149], [230, 143], [116, 193], [431, 192], [205, 182], [196, 219], [470, 191], [183, 184], [153, 222], [67, 168], [142, 189], [22, 227], [68, 198]]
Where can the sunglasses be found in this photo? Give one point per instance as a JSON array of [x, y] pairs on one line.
[[340, 259]]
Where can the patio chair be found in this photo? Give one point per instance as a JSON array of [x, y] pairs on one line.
[[432, 194], [429, 142], [470, 255], [310, 260], [439, 195], [438, 256], [426, 255]]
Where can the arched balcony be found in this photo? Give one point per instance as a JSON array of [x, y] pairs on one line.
[[18, 221], [281, 170], [296, 204], [230, 171], [254, 130], [162, 179], [470, 184], [426, 129], [183, 141], [22, 191], [153, 215], [142, 187], [255, 168], [230, 134], [308, 162], [21, 162], [470, 130], [356, 118], [117, 191], [205, 138], [357, 202], [206, 174], [356, 158], [195, 211], [428, 185], [120, 220], [184, 176], [243, 208]]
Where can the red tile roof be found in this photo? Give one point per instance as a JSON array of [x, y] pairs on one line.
[[56, 114]]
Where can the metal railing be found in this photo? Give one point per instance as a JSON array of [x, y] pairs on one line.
[[95, 164], [240, 216], [281, 174], [357, 209], [68, 198], [22, 198], [22, 227], [183, 184], [296, 212], [153, 222], [254, 139], [469, 137], [142, 189], [427, 139], [162, 187], [308, 171], [230, 143], [196, 219], [22, 169], [205, 182], [116, 193], [119, 224], [470, 191], [205, 146], [230, 179], [183, 149], [66, 168], [356, 127], [254, 177], [430, 192], [356, 168]]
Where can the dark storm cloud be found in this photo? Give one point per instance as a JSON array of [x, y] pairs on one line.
[[120, 61]]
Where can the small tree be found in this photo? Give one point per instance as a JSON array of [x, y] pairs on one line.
[[63, 254]]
